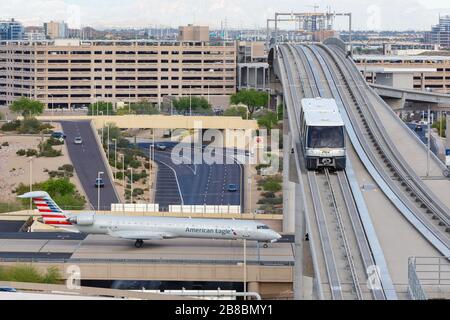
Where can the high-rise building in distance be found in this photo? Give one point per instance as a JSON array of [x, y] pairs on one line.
[[440, 33], [11, 30], [56, 30]]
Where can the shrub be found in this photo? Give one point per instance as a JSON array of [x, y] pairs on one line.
[[5, 144], [54, 142], [268, 194], [66, 167], [137, 192], [21, 152], [31, 153], [46, 150], [272, 186], [62, 191], [30, 126], [271, 201], [28, 273], [11, 126]]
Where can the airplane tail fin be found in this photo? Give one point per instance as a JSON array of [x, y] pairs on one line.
[[51, 213]]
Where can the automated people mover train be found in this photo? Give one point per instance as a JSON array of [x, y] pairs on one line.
[[322, 134]]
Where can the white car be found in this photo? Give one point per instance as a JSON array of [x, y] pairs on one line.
[[160, 147], [78, 140]]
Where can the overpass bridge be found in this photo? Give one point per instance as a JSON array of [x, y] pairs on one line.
[[396, 97], [388, 205], [268, 271]]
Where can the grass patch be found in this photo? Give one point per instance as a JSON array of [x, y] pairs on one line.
[[28, 273]]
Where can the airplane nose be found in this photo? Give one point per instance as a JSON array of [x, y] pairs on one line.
[[279, 236]]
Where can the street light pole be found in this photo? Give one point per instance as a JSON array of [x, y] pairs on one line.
[[115, 158], [123, 176], [107, 141], [131, 184], [31, 181], [245, 269], [190, 100], [428, 143], [98, 190]]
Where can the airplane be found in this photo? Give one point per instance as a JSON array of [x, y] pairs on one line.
[[148, 228]]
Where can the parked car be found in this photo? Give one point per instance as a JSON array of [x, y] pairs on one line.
[[7, 289], [78, 140], [232, 187], [99, 183]]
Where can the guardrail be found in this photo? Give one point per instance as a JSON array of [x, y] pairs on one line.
[[428, 276], [145, 261]]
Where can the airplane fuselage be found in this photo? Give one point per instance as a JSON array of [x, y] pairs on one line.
[[176, 227]]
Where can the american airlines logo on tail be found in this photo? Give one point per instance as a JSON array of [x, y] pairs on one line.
[[50, 211]]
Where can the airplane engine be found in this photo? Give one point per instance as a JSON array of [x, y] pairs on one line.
[[83, 219]]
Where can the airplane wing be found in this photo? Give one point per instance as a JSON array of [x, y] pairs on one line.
[[141, 235]]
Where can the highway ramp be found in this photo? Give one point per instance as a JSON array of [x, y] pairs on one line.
[[88, 161]]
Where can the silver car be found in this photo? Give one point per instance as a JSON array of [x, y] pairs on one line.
[[78, 140]]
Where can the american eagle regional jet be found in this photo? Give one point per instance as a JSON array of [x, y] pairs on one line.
[[148, 228]]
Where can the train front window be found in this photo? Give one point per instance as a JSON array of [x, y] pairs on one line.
[[325, 137]]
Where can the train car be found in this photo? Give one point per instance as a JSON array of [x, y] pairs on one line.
[[322, 134]]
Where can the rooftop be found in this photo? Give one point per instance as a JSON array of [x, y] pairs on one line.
[[420, 58]]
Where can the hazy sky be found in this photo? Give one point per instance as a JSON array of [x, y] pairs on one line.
[[368, 14]]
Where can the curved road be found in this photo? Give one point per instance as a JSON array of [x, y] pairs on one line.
[[198, 184]]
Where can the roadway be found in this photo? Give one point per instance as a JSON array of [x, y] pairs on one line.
[[194, 184], [88, 161], [102, 247]]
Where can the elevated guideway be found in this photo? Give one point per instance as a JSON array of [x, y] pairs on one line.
[[401, 211]]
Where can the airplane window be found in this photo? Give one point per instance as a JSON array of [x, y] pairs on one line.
[[262, 227]]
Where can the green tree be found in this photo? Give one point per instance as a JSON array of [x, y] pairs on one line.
[[141, 107], [27, 107], [280, 111], [440, 126], [251, 98], [236, 112], [62, 191], [184, 104], [101, 107], [268, 120]]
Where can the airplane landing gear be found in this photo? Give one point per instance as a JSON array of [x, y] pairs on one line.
[[139, 243], [265, 245]]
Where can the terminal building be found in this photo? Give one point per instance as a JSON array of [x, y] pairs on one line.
[[72, 73]]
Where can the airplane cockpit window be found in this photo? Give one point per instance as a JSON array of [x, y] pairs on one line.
[[262, 227]]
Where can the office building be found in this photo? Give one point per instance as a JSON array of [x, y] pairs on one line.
[[193, 33], [56, 30], [11, 30], [440, 33]]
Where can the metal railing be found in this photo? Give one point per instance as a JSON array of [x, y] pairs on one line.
[[428, 275], [146, 261]]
